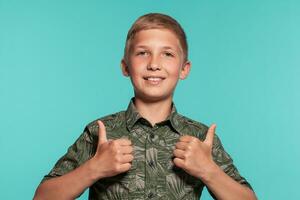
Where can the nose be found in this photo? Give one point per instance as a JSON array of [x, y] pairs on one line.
[[154, 64]]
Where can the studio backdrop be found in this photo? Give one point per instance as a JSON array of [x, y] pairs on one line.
[[60, 69]]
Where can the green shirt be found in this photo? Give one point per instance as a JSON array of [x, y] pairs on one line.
[[153, 174]]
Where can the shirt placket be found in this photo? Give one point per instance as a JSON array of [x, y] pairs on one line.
[[151, 182]]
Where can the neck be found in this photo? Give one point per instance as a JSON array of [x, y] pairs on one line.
[[154, 111]]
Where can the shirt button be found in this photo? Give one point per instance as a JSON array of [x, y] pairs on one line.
[[150, 195], [151, 164], [151, 135]]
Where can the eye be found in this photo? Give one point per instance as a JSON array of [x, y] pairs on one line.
[[142, 53], [168, 54]]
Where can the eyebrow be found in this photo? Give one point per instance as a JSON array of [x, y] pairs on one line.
[[146, 47]]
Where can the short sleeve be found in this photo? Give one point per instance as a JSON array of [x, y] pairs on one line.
[[225, 162], [76, 155]]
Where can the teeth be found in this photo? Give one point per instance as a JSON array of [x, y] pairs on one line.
[[154, 79]]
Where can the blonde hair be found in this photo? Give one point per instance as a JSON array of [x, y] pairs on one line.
[[157, 21]]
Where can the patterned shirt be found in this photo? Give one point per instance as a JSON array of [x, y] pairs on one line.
[[153, 174]]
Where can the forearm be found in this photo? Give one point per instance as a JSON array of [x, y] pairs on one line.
[[68, 186], [225, 188]]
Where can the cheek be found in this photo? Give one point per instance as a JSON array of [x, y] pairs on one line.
[[136, 65], [173, 69], [138, 60]]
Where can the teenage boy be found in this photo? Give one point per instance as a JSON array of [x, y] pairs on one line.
[[149, 151]]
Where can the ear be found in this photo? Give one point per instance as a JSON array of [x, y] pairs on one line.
[[124, 67], [185, 70]]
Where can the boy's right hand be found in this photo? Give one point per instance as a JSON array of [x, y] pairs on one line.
[[112, 156]]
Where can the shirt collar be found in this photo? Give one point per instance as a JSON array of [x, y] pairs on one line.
[[132, 116]]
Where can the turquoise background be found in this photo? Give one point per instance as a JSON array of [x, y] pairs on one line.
[[59, 70]]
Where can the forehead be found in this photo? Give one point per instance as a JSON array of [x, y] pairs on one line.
[[156, 38]]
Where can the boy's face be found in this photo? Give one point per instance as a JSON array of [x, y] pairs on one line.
[[155, 63]]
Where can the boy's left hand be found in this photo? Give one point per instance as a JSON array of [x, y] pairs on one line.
[[195, 156]]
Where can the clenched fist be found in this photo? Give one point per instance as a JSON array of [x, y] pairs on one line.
[[112, 157], [195, 156]]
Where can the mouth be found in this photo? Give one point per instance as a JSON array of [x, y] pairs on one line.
[[154, 80]]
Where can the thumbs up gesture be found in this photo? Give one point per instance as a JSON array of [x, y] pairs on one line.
[[195, 156], [112, 157]]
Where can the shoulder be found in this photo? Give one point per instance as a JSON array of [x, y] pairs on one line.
[[191, 126], [197, 129], [191, 122], [110, 121]]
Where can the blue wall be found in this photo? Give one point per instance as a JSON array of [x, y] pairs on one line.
[[59, 70]]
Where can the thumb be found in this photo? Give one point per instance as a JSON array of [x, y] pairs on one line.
[[210, 134], [101, 133]]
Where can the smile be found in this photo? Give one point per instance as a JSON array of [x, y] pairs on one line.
[[154, 80]]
